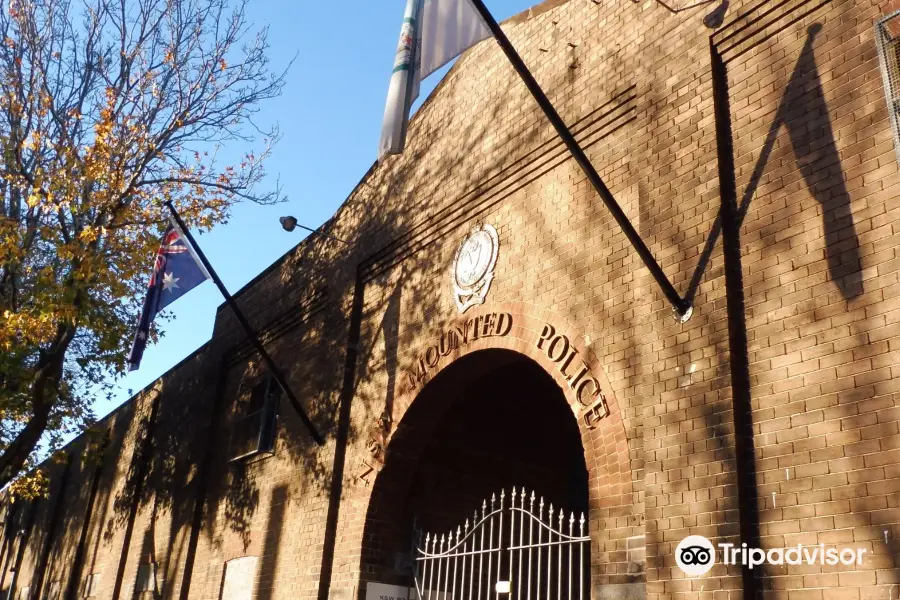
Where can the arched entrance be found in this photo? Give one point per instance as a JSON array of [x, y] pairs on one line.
[[491, 421]]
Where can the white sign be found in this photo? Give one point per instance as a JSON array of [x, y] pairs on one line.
[[240, 573], [383, 591]]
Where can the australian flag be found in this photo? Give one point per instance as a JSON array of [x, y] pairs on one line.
[[177, 271]]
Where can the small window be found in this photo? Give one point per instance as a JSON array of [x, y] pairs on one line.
[[253, 429], [887, 38], [92, 585]]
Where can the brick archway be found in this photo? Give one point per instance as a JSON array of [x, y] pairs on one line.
[[529, 325], [603, 441]]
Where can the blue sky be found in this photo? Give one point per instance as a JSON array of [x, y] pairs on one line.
[[330, 117]]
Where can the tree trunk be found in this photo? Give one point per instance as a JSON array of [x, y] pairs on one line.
[[15, 456], [47, 378]]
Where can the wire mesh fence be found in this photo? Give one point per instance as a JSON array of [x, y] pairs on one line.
[[887, 40]]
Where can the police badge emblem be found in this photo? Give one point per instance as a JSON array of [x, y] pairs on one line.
[[473, 266]]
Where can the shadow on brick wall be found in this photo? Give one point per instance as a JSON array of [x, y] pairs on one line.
[[803, 111], [269, 558]]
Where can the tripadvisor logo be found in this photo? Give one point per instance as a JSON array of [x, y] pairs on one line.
[[696, 555]]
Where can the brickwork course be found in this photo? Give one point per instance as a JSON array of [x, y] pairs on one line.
[[749, 144]]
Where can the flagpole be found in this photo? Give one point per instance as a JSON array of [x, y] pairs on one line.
[[682, 306], [276, 372]]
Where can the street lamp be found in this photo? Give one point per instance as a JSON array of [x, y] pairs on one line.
[[290, 223]]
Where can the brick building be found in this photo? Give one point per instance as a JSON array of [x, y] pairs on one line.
[[749, 143]]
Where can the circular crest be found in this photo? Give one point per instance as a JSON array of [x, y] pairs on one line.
[[473, 266]]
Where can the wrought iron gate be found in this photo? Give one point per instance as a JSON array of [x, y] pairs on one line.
[[507, 553]]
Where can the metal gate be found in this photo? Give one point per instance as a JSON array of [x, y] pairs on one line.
[[508, 552]]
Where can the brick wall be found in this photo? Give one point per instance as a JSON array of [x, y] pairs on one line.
[[750, 146]]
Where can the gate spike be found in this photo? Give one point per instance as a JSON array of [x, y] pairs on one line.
[[512, 498], [522, 503], [571, 518], [502, 496], [541, 509], [581, 525], [562, 515], [427, 539], [467, 525], [483, 508], [493, 500], [475, 518]]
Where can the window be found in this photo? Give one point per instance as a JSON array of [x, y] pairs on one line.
[[887, 38], [92, 585], [253, 430], [237, 581]]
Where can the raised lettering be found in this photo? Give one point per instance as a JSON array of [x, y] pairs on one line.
[[593, 413], [411, 378], [462, 334], [421, 371], [565, 348], [546, 334], [504, 324], [579, 391], [446, 344], [487, 325], [577, 378], [432, 356], [476, 323], [566, 364]]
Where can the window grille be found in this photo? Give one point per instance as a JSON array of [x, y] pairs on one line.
[[887, 40], [253, 429]]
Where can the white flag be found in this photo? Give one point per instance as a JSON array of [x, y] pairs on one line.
[[434, 33], [449, 28]]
